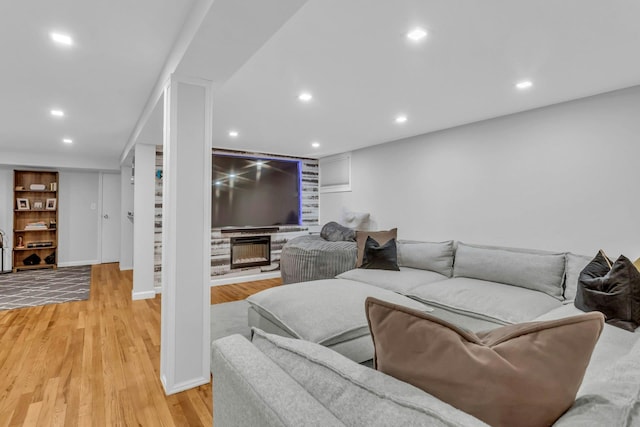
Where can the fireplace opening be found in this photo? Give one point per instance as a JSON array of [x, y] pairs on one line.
[[250, 251]]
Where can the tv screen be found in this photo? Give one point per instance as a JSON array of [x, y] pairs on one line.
[[254, 192]]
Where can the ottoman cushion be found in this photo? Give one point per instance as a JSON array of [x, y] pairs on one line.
[[401, 281], [326, 312]]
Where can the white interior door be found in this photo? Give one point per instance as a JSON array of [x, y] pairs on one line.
[[110, 246]]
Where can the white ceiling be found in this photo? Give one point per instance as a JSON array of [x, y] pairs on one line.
[[352, 55], [102, 82], [355, 59]]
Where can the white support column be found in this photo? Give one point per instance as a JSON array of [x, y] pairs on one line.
[[186, 235], [144, 217], [126, 223]]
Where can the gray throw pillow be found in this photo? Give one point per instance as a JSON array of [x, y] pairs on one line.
[[334, 232], [432, 256], [574, 266], [532, 269]]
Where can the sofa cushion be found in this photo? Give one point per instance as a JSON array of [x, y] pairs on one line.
[[398, 281], [612, 399], [531, 269], [355, 394], [573, 267], [612, 345], [243, 394], [613, 290], [517, 375], [433, 256], [380, 257], [323, 311], [381, 237], [486, 300]]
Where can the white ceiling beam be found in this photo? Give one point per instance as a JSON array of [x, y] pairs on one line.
[[189, 30]]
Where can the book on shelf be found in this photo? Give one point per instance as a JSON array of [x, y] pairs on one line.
[[40, 225], [39, 244]]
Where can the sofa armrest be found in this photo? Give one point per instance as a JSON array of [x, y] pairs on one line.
[[250, 389]]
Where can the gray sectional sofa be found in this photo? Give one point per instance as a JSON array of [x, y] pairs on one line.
[[315, 379]]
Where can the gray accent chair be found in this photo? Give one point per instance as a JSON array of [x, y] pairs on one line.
[[307, 258]]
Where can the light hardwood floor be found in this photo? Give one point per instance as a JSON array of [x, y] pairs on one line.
[[96, 362]]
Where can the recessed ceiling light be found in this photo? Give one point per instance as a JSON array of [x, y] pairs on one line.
[[67, 140], [401, 118], [61, 39], [524, 84], [232, 175], [305, 97], [416, 34], [218, 183], [233, 133], [315, 144], [57, 113], [259, 163]]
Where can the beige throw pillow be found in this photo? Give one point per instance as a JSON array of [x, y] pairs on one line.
[[381, 237], [518, 375]]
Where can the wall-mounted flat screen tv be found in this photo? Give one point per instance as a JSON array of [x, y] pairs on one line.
[[254, 192]]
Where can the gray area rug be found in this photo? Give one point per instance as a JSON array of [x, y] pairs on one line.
[[42, 287], [229, 318]]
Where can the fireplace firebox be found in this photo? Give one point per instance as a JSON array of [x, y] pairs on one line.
[[250, 251]]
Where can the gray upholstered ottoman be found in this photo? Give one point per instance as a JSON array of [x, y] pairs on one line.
[[308, 258], [328, 312]]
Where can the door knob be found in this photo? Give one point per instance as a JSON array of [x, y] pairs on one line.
[[106, 216]]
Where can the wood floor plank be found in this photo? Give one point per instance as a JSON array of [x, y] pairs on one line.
[[97, 362]]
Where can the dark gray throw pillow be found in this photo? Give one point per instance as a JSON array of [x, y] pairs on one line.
[[612, 289], [378, 257], [334, 232], [32, 259]]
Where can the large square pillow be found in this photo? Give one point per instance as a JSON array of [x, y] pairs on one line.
[[381, 237], [380, 257], [521, 375], [611, 288]]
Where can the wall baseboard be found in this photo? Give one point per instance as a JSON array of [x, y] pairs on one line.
[[237, 279], [242, 279], [78, 263], [185, 385], [143, 295], [125, 267]]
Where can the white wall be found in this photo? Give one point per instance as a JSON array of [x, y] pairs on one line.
[[78, 231], [77, 221], [563, 177], [126, 224], [6, 212]]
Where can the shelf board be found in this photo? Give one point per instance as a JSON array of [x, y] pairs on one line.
[[34, 210], [36, 191], [29, 231], [34, 249], [35, 267]]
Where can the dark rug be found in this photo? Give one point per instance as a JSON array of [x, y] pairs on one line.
[[42, 287]]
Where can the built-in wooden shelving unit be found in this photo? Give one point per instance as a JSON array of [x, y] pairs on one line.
[[35, 219]]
